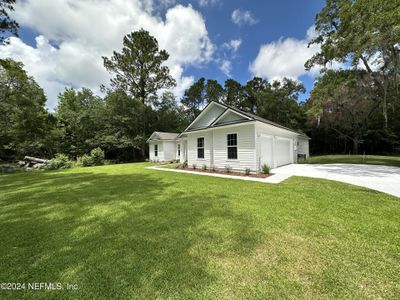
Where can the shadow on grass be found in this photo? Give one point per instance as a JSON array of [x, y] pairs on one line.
[[133, 235]]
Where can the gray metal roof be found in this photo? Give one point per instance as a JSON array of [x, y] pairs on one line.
[[252, 117]]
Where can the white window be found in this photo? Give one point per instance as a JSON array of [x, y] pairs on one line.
[[232, 146], [200, 147], [155, 150]]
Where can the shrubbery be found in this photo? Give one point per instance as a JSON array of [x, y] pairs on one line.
[[95, 158], [60, 161], [97, 155], [265, 168]]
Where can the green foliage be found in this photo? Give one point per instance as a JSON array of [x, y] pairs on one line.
[[193, 98], [81, 116], [278, 102], [26, 128], [139, 67], [214, 91], [97, 155], [363, 32], [60, 161], [265, 169], [234, 93], [86, 160], [95, 158], [248, 171], [6, 23], [189, 224]]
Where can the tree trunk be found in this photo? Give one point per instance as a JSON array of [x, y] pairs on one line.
[[355, 146]]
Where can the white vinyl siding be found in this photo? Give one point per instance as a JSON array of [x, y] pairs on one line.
[[192, 148], [230, 117], [246, 153], [209, 116], [166, 150], [303, 147], [271, 135], [160, 154]]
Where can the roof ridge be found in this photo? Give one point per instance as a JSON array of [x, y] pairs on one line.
[[260, 119]]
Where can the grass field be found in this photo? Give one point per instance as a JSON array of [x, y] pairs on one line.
[[355, 159], [122, 231]]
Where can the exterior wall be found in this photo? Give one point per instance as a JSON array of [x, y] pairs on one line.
[[169, 150], [245, 145], [160, 156], [166, 150], [192, 148], [215, 148], [212, 113], [303, 147], [274, 133], [183, 157], [230, 117]]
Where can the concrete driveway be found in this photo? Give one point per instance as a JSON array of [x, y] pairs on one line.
[[381, 178]]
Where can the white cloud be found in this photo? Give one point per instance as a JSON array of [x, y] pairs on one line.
[[86, 30], [226, 67], [286, 58], [232, 45], [205, 3], [242, 17]]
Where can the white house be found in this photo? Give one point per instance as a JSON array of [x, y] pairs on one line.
[[224, 136]]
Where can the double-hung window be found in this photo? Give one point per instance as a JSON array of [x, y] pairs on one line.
[[155, 150], [232, 146], [200, 147], [179, 149]]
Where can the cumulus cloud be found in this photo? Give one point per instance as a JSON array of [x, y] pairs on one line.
[[226, 67], [243, 17], [286, 58], [76, 34], [205, 3], [232, 45]]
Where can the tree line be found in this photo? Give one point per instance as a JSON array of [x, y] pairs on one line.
[[351, 110]]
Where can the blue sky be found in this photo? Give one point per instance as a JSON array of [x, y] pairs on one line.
[[215, 39]]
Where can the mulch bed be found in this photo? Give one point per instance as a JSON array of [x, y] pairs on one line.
[[232, 173]]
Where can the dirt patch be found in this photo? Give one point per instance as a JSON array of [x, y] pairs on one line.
[[232, 173]]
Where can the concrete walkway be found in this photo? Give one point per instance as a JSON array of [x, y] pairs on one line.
[[276, 178], [380, 178]]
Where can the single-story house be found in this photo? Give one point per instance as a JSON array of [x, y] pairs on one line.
[[223, 136]]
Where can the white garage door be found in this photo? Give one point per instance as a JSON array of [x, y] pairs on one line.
[[283, 153]]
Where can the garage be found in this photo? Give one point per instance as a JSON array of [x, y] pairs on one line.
[[283, 153]]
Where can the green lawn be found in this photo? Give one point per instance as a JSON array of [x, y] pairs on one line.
[[355, 159], [122, 231]]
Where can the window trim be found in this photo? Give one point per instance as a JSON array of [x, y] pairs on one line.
[[197, 147], [155, 150], [230, 146]]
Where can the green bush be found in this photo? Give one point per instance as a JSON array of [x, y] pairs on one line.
[[97, 155], [60, 161], [265, 168], [86, 160], [248, 171], [95, 158]]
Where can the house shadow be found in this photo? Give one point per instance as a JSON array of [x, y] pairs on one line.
[[115, 236]]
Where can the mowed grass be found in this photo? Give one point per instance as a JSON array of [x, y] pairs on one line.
[[123, 231], [355, 159]]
